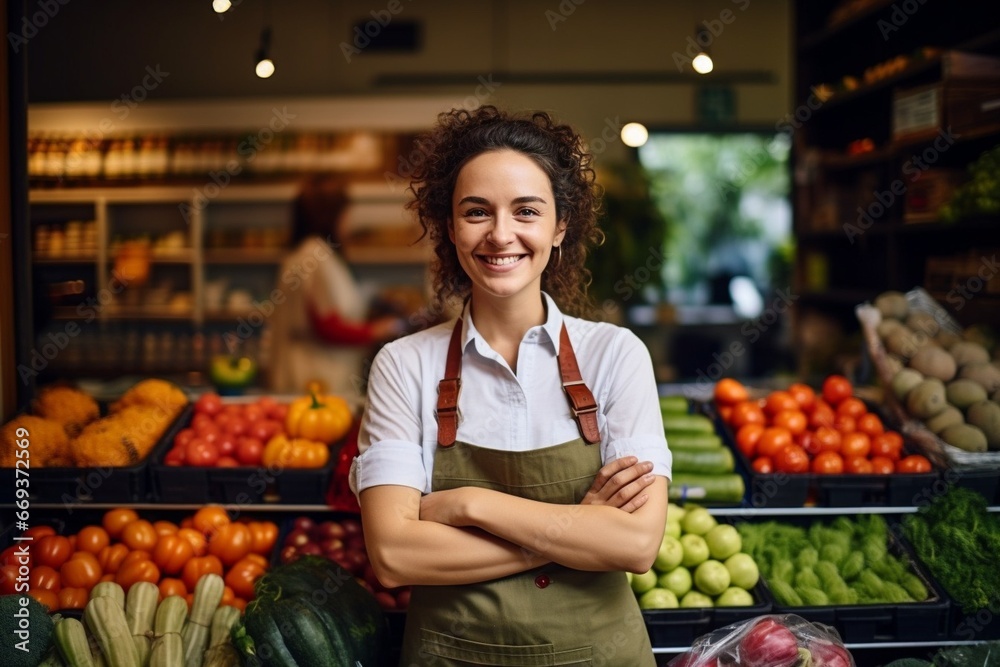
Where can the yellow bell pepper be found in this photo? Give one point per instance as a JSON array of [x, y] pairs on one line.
[[323, 418], [282, 452]]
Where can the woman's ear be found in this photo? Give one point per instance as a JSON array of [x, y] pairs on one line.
[[560, 233], [451, 230]]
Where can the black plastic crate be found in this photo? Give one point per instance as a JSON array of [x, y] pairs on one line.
[[73, 485], [680, 627], [866, 623]]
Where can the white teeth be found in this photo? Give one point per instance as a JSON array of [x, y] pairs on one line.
[[501, 261]]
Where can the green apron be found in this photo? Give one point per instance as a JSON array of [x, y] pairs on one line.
[[551, 615]]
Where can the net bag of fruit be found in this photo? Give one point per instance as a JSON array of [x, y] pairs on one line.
[[774, 640]]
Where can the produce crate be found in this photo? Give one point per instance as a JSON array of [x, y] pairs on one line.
[[914, 621], [680, 627], [72, 485], [843, 490]]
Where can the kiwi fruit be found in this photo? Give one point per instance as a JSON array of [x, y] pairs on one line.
[[904, 342], [904, 381], [964, 436], [968, 352], [946, 339], [986, 416], [985, 374], [934, 362], [962, 393], [947, 417], [926, 399], [924, 322]]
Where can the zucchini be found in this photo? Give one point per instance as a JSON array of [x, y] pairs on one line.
[[106, 621], [140, 609], [676, 440], [674, 405], [207, 596], [71, 642], [109, 589], [221, 652], [687, 424], [707, 488], [167, 649], [708, 461]]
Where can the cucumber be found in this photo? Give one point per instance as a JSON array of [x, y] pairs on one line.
[[106, 621], [673, 405], [707, 488], [140, 609], [707, 461], [72, 644], [697, 441], [688, 424]]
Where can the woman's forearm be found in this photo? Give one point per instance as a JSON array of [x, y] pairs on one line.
[[583, 537], [405, 550]]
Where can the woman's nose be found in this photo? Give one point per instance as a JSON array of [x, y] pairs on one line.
[[502, 233]]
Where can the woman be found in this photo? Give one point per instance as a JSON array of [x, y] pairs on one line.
[[512, 513], [321, 329]]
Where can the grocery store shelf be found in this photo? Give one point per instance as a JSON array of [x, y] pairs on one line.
[[850, 646], [245, 255], [39, 260]]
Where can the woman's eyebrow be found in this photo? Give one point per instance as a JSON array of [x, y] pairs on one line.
[[517, 200], [527, 200]]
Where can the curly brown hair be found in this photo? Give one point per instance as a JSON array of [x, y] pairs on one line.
[[461, 135]]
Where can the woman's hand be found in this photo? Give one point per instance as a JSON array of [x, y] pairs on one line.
[[621, 484], [447, 507]]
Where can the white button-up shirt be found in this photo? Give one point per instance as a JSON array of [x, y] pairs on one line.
[[501, 409]]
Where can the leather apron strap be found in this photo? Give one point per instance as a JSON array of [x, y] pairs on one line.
[[582, 403]]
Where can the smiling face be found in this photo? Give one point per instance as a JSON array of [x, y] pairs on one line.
[[504, 224]]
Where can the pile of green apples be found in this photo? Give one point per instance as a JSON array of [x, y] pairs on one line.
[[700, 563]]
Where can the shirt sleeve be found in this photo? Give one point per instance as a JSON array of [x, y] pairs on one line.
[[632, 408], [390, 437]]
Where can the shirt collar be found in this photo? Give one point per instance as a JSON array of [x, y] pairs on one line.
[[551, 327]]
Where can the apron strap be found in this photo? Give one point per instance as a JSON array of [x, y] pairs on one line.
[[448, 388], [582, 403]]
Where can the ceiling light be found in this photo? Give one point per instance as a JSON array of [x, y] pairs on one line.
[[702, 63], [221, 6], [634, 134], [265, 66]]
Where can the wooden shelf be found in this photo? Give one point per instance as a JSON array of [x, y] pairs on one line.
[[823, 36], [41, 260], [419, 254], [245, 255]]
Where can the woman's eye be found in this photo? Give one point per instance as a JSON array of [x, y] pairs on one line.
[[475, 213], [527, 212]]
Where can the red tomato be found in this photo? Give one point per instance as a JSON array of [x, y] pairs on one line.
[[171, 553], [12, 555], [227, 462], [777, 401], [111, 557], [230, 543], [46, 598], [803, 395], [200, 453], [772, 440], [8, 579], [52, 550], [201, 421], [763, 465], [237, 426], [83, 570], [747, 412], [822, 415], [260, 429], [845, 423], [914, 463], [728, 391], [183, 437], [73, 598], [747, 438], [267, 404], [889, 445], [882, 465], [136, 571], [855, 444], [249, 451], [175, 457], [852, 407], [828, 463], [807, 442], [115, 521], [858, 465], [280, 413], [43, 576], [836, 388], [210, 518], [253, 413], [208, 403], [870, 425], [792, 459], [169, 586], [140, 535], [226, 445], [199, 544], [794, 420], [165, 528], [92, 539], [196, 567], [241, 577], [38, 532], [827, 439]]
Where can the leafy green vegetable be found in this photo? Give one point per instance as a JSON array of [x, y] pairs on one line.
[[957, 539]]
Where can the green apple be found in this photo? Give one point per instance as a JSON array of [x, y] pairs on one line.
[[658, 598], [673, 528], [723, 541], [711, 577], [675, 512], [644, 581], [742, 570], [734, 597], [695, 550], [232, 372], [696, 599], [678, 580], [698, 521], [670, 554]]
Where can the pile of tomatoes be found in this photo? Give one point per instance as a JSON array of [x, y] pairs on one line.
[[127, 549], [227, 434], [798, 430]]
